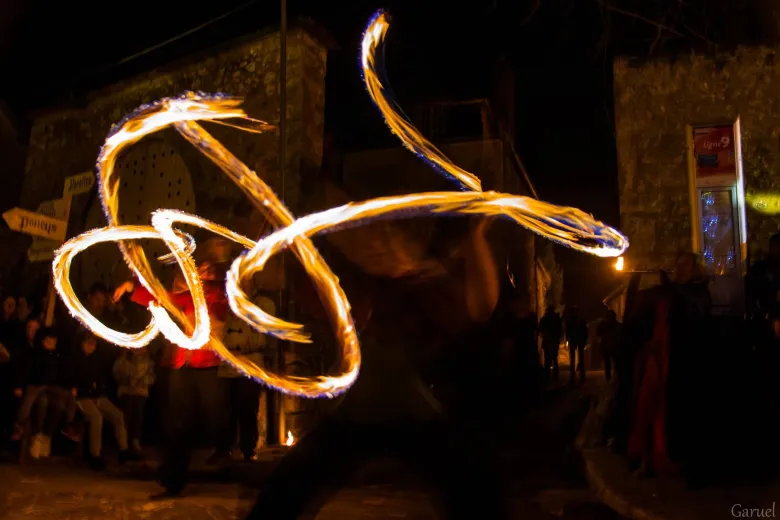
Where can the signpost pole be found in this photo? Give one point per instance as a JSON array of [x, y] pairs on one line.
[[51, 297]]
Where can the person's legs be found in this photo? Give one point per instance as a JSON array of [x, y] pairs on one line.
[[548, 360], [41, 409], [212, 393], [117, 419], [30, 396], [312, 470], [133, 410], [54, 410], [227, 431], [572, 361], [126, 405], [178, 414], [95, 419], [554, 356], [248, 402]]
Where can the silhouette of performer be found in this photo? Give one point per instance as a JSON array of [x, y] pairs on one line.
[[389, 410]]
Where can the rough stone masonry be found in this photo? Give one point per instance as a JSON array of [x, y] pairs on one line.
[[67, 142], [654, 101]]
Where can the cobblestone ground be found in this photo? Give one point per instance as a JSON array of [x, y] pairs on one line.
[[547, 483]]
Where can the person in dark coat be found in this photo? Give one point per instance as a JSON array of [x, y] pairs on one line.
[[551, 330], [91, 370], [45, 373], [390, 409], [577, 338]]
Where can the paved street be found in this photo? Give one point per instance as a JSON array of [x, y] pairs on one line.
[[547, 482]]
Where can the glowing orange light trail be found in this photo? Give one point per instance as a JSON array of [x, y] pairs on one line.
[[567, 226]]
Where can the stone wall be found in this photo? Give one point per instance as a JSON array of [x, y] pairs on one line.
[[13, 155], [654, 101], [67, 142]]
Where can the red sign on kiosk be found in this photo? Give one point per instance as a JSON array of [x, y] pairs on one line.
[[714, 151]]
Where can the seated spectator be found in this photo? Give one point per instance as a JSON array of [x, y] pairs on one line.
[[134, 374], [45, 375], [90, 371]]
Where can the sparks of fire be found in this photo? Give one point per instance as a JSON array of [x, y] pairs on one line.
[[567, 226]]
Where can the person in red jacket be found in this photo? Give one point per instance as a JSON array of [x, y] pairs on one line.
[[195, 399]]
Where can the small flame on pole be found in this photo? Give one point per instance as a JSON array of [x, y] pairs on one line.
[[290, 439], [619, 264]]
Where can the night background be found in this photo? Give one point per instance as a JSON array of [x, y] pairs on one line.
[[561, 52], [645, 412]]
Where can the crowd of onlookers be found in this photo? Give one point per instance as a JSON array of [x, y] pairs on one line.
[[61, 380]]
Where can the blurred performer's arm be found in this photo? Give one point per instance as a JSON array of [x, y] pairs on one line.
[[482, 284]]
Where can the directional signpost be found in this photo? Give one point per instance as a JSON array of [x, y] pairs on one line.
[[35, 224], [42, 249], [49, 226], [77, 184]]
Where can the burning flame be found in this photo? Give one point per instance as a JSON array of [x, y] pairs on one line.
[[567, 226], [619, 264], [290, 440]]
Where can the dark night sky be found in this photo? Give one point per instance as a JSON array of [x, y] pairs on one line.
[[564, 123]]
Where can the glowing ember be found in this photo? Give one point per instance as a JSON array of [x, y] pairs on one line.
[[567, 226], [290, 440]]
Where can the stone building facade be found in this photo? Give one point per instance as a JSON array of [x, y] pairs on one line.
[[163, 170], [661, 106], [67, 142], [655, 102]]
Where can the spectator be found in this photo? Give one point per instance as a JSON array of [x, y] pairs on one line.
[[90, 370], [551, 330], [608, 337], [576, 337], [244, 392], [10, 336], [23, 310], [134, 374], [763, 281], [45, 374]]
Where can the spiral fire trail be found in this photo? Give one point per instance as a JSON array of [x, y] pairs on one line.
[[567, 226]]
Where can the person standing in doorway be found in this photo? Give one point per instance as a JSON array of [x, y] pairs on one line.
[[551, 330]]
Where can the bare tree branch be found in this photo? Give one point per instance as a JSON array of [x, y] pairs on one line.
[[532, 13], [638, 16]]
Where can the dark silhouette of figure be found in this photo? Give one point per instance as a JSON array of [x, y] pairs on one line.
[[551, 330], [577, 338], [390, 410], [608, 337], [763, 281]]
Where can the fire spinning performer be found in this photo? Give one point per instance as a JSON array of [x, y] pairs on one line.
[[389, 410], [193, 394]]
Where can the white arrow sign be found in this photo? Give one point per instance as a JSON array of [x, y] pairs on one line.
[[80, 183], [36, 224]]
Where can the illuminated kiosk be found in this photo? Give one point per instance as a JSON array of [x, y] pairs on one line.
[[718, 222]]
